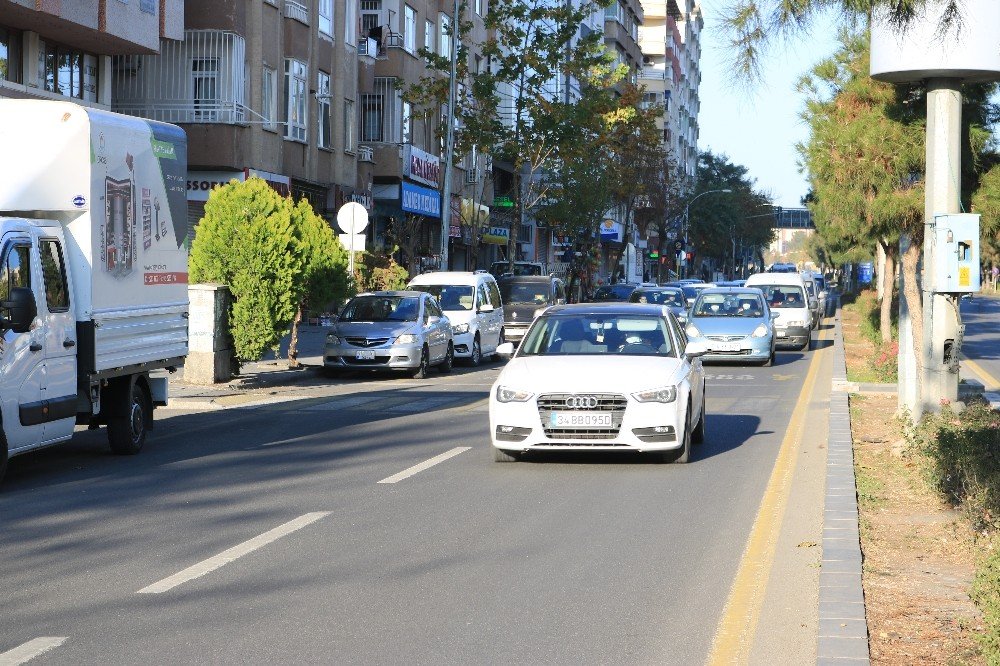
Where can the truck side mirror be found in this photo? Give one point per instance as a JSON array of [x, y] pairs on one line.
[[22, 308]]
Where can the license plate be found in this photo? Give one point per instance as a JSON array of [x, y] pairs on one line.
[[782, 334], [580, 420], [726, 346], [365, 355]]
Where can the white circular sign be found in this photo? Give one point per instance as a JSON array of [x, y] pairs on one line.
[[352, 218]]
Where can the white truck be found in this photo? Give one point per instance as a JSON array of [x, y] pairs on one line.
[[93, 272]]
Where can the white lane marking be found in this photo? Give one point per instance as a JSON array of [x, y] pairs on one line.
[[225, 557], [30, 650], [416, 469]]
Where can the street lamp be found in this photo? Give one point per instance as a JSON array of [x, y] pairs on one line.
[[687, 212]]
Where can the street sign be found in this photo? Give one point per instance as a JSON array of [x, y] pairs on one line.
[[352, 218], [353, 242], [503, 202]]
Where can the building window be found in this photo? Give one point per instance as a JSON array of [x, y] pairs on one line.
[[66, 71], [429, 35], [371, 19], [205, 88], [349, 120], [323, 139], [268, 98], [371, 117], [351, 23], [409, 28], [479, 7], [407, 123], [326, 18], [10, 55], [295, 100], [445, 36]]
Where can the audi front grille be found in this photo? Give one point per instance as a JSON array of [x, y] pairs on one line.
[[605, 402]]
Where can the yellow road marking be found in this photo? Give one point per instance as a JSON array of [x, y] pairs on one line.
[[738, 626], [994, 383]]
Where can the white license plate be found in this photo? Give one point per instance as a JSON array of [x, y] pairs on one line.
[[366, 355], [726, 346], [580, 420], [782, 334]]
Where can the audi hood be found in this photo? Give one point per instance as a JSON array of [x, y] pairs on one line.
[[609, 373]]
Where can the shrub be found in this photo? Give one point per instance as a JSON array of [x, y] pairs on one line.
[[377, 272]]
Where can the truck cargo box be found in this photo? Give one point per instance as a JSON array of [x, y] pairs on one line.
[[116, 184]]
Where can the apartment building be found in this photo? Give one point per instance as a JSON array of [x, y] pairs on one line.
[[63, 50], [689, 24], [266, 88], [408, 142]]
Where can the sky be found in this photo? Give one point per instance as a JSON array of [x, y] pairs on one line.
[[758, 126]]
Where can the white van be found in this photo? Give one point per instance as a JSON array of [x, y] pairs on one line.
[[788, 300], [472, 303]]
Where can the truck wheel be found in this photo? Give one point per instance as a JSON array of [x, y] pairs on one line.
[[128, 427]]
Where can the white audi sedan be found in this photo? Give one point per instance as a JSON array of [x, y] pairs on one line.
[[600, 377]]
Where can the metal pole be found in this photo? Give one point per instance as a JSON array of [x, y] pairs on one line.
[[449, 138]]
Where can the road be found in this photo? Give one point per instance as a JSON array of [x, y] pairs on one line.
[[980, 316], [314, 539]]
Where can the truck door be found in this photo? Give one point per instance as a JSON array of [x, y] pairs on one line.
[[22, 367], [59, 327]]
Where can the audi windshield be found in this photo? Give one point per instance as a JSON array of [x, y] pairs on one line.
[[598, 334]]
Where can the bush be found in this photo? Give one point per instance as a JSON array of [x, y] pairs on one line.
[[247, 241], [377, 272]]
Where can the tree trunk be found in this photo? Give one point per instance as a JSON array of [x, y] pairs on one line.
[[293, 344], [888, 282], [911, 292]]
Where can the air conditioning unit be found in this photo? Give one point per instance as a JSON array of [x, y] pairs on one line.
[[366, 154]]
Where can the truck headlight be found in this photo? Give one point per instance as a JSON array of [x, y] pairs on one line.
[[760, 332], [458, 329], [505, 394], [665, 394], [407, 339]]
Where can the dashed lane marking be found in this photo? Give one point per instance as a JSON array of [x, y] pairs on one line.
[[211, 564], [30, 650], [416, 469]]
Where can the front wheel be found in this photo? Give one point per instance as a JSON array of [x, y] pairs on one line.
[[698, 436], [683, 454], [477, 352], [128, 427], [3, 455], [449, 359], [421, 371], [770, 360]]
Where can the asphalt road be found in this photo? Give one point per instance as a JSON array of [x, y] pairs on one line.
[[981, 316], [560, 559]]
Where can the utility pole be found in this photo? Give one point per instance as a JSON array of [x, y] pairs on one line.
[[449, 138]]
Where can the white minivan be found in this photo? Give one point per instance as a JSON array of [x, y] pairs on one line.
[[789, 302], [471, 300]]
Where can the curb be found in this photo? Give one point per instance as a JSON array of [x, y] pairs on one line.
[[843, 627]]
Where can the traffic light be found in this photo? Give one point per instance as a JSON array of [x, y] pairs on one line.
[[654, 254]]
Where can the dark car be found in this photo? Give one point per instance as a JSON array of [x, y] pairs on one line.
[[672, 297], [525, 296], [613, 292]]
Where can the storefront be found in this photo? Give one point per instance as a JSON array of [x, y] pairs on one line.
[[201, 183]]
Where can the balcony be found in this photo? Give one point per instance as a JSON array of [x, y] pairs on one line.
[[297, 11]]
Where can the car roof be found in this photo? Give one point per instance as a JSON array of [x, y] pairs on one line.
[[616, 307], [775, 278], [732, 290], [451, 277], [659, 289], [526, 278], [394, 292]]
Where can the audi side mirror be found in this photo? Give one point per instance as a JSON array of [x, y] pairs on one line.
[[695, 349]]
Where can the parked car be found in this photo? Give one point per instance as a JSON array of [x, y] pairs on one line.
[[524, 298], [390, 330], [473, 304], [734, 323], [672, 297], [812, 293], [613, 292], [600, 377], [786, 294]]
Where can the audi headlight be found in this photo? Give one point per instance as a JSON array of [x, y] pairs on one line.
[[760, 332], [505, 394], [665, 394], [407, 339], [692, 331], [332, 339], [458, 329]]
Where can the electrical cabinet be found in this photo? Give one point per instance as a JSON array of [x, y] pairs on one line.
[[956, 253]]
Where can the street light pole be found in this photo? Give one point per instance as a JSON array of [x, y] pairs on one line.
[[687, 213]]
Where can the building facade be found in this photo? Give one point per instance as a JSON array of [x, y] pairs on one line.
[[63, 50]]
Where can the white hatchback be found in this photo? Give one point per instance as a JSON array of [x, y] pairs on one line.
[[600, 377]]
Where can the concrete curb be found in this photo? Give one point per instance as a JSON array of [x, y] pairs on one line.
[[843, 628]]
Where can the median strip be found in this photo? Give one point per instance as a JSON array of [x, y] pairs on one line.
[[225, 557], [30, 650], [416, 469]]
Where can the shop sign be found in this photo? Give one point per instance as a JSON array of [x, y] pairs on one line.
[[281, 184], [496, 235], [421, 166], [363, 198], [201, 183], [421, 200], [611, 231], [503, 202]]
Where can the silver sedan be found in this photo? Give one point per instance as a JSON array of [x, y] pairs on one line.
[[390, 330]]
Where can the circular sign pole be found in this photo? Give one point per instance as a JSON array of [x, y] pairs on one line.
[[352, 218]]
